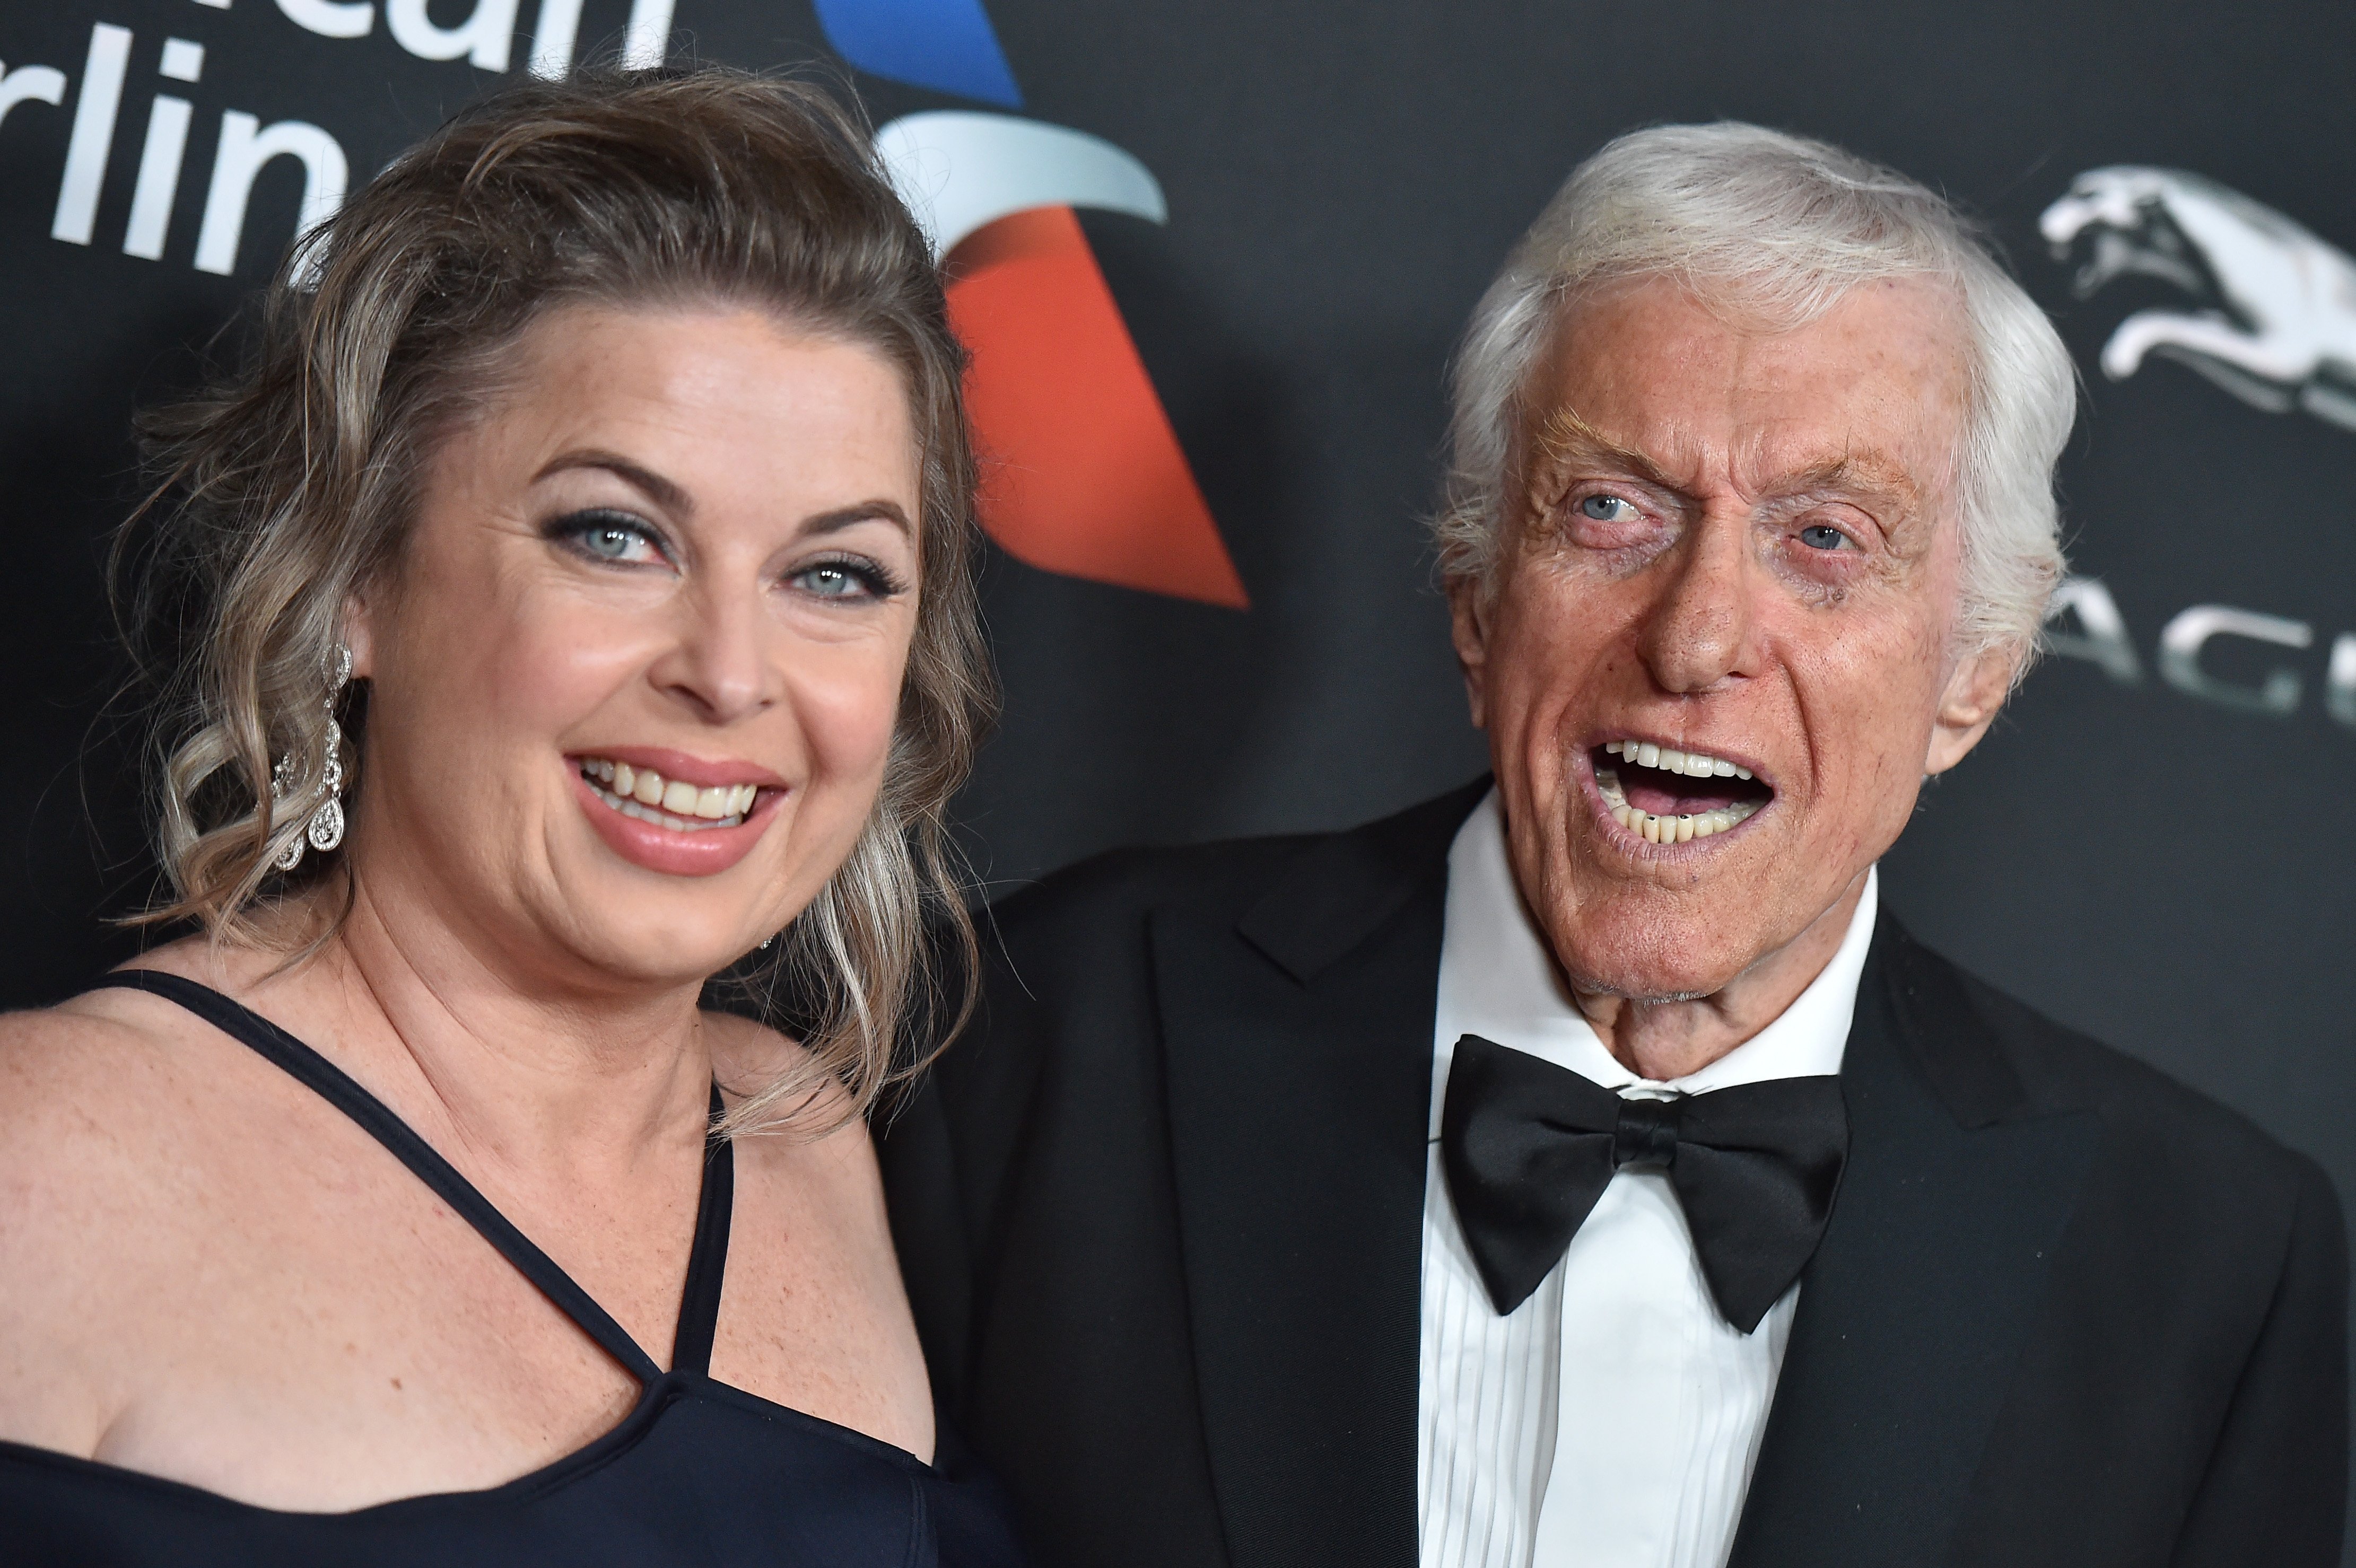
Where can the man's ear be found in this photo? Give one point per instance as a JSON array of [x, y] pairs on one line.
[[1469, 629], [1977, 688]]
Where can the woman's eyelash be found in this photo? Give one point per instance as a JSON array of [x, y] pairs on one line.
[[878, 579], [611, 537], [578, 531]]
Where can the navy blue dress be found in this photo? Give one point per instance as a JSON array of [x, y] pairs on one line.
[[700, 1475]]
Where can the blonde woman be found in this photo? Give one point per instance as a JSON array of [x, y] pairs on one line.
[[572, 597]]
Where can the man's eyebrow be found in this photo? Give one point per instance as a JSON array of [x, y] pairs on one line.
[[841, 518], [1856, 472], [1565, 439], [662, 492]]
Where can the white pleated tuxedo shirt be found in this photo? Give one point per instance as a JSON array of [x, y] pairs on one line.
[[1611, 1420]]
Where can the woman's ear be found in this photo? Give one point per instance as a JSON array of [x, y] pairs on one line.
[[359, 634]]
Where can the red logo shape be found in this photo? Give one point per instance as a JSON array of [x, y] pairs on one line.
[[1082, 471]]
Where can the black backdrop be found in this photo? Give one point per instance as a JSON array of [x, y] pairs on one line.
[[2138, 849]]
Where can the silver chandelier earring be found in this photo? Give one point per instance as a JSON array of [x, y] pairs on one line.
[[326, 828]]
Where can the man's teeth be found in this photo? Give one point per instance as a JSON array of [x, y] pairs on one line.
[[1668, 758], [1676, 829], [674, 804]]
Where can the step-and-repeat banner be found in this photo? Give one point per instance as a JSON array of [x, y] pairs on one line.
[[1211, 258]]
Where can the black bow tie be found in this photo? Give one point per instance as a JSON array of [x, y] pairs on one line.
[[1529, 1147]]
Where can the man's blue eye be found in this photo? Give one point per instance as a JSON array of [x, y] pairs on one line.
[[1823, 538], [1606, 509]]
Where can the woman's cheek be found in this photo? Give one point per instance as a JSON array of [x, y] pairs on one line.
[[849, 714], [559, 667]]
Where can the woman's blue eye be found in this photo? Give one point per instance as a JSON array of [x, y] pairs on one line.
[[1821, 537], [609, 536], [1606, 509], [832, 580]]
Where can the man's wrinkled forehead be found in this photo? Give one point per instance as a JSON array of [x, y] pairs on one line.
[[1866, 399]]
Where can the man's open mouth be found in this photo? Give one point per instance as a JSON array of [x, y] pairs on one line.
[[1668, 796]]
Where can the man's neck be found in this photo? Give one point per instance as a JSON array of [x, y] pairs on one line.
[[1662, 1040]]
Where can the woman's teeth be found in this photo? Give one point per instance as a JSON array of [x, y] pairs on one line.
[[674, 804]]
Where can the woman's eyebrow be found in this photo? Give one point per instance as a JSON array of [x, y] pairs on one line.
[[841, 518], [673, 498], [662, 492]]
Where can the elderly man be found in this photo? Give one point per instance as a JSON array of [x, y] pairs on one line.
[[1584, 1169]]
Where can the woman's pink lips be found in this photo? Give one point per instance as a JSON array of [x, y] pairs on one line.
[[706, 853], [700, 772]]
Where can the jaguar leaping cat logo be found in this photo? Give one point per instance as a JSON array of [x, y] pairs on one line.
[[2277, 324]]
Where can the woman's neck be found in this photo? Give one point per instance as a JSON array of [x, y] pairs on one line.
[[528, 1061]]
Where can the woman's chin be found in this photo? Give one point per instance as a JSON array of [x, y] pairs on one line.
[[650, 955]]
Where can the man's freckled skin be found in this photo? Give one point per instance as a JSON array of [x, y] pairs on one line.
[[1703, 615]]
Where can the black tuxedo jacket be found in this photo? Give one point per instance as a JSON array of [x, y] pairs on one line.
[[1160, 1219]]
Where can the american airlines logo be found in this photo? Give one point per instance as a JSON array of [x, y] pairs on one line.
[[2271, 320], [1084, 473]]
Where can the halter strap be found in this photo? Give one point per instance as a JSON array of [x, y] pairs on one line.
[[707, 1261], [700, 1303]]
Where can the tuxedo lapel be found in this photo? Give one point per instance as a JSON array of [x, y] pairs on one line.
[[1913, 1312], [1298, 1064]]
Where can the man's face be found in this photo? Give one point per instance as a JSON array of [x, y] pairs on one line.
[[1738, 545]]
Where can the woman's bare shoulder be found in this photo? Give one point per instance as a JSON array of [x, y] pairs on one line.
[[74, 1073], [93, 1215], [107, 1060], [102, 1096]]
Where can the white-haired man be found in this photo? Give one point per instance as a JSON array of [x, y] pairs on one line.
[[1582, 1170]]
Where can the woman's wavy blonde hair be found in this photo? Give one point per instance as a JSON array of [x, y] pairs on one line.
[[285, 486]]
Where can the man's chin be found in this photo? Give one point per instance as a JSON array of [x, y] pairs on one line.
[[1663, 968]]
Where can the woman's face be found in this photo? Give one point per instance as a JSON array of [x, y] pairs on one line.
[[635, 677]]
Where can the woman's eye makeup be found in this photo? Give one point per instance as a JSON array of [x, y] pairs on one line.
[[618, 539], [609, 536], [845, 578]]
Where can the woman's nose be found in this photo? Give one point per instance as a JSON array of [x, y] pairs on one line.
[[721, 665]]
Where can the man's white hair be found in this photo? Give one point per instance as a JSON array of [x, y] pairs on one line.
[[1778, 227]]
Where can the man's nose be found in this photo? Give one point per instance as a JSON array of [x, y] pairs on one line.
[[1699, 630], [721, 666]]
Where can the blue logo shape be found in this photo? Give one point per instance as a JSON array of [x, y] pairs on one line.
[[946, 44]]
